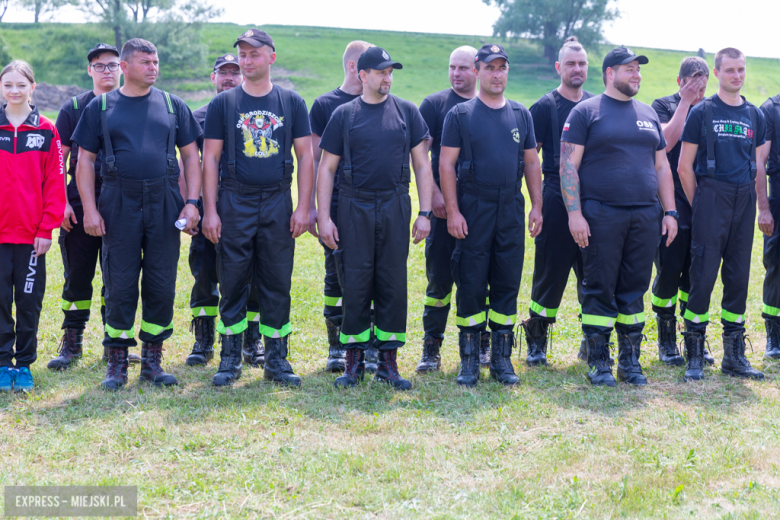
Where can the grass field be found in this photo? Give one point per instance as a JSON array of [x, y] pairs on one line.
[[553, 447]]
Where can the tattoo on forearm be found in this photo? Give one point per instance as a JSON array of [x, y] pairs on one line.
[[570, 180]]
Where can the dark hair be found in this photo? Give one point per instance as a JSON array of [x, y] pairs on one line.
[[136, 45], [728, 52], [569, 44], [693, 66]]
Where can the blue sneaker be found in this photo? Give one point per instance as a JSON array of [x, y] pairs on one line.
[[7, 376], [24, 380]]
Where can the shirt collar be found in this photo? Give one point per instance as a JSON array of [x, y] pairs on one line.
[[33, 120]]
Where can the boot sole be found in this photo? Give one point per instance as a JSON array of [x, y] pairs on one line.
[[772, 356], [156, 383], [426, 370], [626, 381], [692, 378], [282, 382], [335, 368], [741, 376], [542, 363], [106, 387], [195, 363], [679, 363], [467, 385]]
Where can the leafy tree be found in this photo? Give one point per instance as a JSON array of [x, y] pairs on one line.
[[4, 8], [552, 21], [5, 55], [41, 7]]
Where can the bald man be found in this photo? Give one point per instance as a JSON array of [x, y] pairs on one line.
[[440, 244], [321, 110]]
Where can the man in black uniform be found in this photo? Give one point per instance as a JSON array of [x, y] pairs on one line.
[[492, 141], [137, 129], [251, 131], [440, 244], [80, 251], [722, 136], [375, 135], [204, 298], [556, 255], [321, 110], [673, 263], [613, 147]]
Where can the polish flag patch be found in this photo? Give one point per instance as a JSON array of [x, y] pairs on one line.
[[565, 126]]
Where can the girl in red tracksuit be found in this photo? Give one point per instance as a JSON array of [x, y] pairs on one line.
[[32, 204]]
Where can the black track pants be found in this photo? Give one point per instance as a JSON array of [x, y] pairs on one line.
[[672, 266], [141, 235], [772, 254], [22, 282], [80, 254], [371, 264], [617, 265], [724, 217], [332, 290], [556, 255], [439, 247], [256, 245], [204, 297], [492, 253]]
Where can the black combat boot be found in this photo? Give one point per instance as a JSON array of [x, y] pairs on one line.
[[354, 368], [501, 368], [469, 345], [277, 368], [253, 350], [600, 361], [203, 349], [694, 354], [484, 349], [70, 350], [151, 371], [431, 358], [734, 362], [708, 356], [387, 371], [371, 356], [337, 360], [772, 338], [582, 355], [230, 355], [116, 372], [629, 351], [536, 339], [667, 341]]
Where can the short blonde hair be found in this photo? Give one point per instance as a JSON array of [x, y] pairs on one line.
[[354, 50]]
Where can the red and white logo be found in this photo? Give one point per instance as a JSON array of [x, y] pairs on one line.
[[565, 126]]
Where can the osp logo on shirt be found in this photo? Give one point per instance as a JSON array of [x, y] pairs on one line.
[[645, 125], [257, 128], [35, 140]]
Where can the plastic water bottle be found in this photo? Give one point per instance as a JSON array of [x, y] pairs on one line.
[[181, 224]]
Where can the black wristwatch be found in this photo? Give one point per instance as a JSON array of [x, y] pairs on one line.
[[194, 202], [672, 214], [426, 214]]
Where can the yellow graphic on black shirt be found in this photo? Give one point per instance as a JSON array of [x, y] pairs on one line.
[[257, 128]]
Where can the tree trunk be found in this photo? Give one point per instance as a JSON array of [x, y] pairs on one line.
[[37, 11], [549, 53], [118, 37]]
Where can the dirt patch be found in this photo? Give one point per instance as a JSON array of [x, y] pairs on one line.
[[51, 97]]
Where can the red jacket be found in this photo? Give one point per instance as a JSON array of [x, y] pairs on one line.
[[32, 200]]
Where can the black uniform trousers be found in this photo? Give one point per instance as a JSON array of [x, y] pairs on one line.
[[23, 282], [617, 265], [332, 290], [672, 265], [772, 254], [724, 217], [80, 254], [556, 255], [141, 235], [256, 245], [439, 247], [492, 253], [371, 264]]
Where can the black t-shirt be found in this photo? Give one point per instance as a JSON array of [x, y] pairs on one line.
[[376, 141], [434, 110], [200, 118], [321, 110], [621, 139], [497, 143], [733, 130], [66, 125], [540, 112], [665, 107], [260, 133], [139, 128], [772, 116]]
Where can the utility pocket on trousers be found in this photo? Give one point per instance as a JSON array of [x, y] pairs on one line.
[[339, 260]]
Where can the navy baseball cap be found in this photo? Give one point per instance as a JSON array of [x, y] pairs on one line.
[[621, 56], [100, 48], [225, 59], [376, 58], [255, 38], [489, 52]]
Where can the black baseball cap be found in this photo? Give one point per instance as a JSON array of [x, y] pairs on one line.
[[621, 56], [376, 58], [100, 48], [489, 52], [226, 59], [256, 38]]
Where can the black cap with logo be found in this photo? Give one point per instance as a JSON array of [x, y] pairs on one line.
[[489, 52], [376, 58], [99, 49], [621, 56], [255, 38], [225, 59]]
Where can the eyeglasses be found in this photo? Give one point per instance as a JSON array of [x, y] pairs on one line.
[[101, 67], [234, 73]]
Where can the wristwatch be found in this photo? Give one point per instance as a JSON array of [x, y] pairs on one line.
[[426, 214], [194, 202], [672, 213]]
